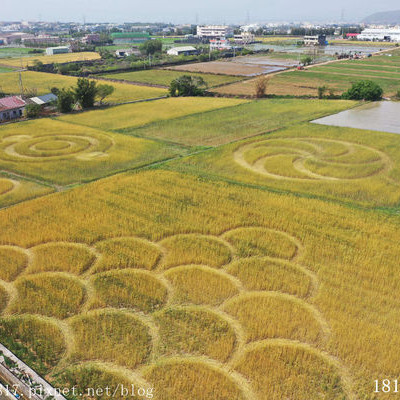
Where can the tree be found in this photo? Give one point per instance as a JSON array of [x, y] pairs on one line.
[[149, 47], [306, 60], [85, 93], [364, 90], [321, 91], [65, 100], [32, 110], [187, 85], [104, 91], [261, 86]]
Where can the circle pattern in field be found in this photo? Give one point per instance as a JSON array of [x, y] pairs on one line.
[[311, 159], [58, 146], [124, 300]]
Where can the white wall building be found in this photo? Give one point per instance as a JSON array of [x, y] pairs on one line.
[[245, 38], [213, 31], [220, 44], [380, 34], [183, 50], [50, 51]]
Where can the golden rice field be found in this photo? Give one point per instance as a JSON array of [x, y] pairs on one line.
[[195, 288], [129, 116], [24, 62], [344, 164], [41, 83], [65, 153], [15, 190]]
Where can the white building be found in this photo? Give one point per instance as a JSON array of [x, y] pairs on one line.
[[245, 38], [213, 31], [182, 51], [50, 51], [220, 44], [380, 34]]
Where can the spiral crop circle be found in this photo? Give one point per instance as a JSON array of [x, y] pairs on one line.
[[312, 159], [55, 146]]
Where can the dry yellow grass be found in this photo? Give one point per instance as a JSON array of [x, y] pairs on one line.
[[111, 335], [199, 284], [195, 330], [57, 59], [126, 253], [195, 249], [50, 294], [130, 289]]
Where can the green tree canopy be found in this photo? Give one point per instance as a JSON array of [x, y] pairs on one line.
[[85, 92], [364, 90], [150, 47], [65, 101], [187, 85], [104, 91]]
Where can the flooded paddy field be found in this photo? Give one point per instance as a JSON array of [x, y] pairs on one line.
[[378, 116]]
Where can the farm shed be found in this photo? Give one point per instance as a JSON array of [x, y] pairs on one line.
[[184, 50]]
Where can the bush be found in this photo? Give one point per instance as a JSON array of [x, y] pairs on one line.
[[306, 60], [32, 110], [321, 91], [65, 100], [187, 85], [364, 90], [261, 86]]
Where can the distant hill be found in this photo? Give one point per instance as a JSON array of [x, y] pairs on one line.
[[384, 18]]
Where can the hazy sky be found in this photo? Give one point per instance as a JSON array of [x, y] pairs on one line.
[[179, 11]]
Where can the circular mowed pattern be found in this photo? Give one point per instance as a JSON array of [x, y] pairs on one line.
[[54, 147], [232, 310], [311, 159]]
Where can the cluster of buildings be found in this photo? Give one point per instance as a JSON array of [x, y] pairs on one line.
[[218, 36], [380, 34], [13, 107]]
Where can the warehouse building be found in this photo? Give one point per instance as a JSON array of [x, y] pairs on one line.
[[380, 34], [182, 51], [51, 51]]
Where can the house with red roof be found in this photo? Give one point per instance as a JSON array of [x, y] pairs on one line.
[[11, 107]]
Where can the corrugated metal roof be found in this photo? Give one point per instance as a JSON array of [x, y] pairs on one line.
[[183, 48], [45, 99], [11, 102]]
